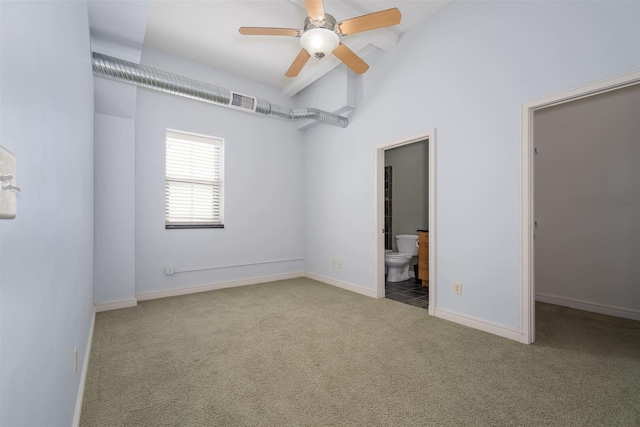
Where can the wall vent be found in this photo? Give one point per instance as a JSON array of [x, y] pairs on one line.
[[242, 102]]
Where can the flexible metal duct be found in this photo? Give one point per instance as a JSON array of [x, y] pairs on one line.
[[152, 78]]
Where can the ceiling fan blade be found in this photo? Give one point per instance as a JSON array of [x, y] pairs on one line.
[[384, 18], [315, 9], [268, 31], [298, 63], [350, 59]]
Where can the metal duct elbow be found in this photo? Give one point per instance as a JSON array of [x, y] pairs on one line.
[[151, 78]]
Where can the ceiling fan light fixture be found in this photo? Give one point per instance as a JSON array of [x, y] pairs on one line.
[[319, 42], [321, 34]]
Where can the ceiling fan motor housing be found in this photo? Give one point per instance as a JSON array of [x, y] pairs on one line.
[[329, 22], [319, 37]]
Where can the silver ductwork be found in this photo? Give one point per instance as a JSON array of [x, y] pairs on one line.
[[152, 78]]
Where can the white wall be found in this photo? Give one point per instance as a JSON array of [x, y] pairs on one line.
[[47, 250], [587, 202], [117, 29], [334, 92], [263, 186], [115, 264], [464, 72], [409, 188]]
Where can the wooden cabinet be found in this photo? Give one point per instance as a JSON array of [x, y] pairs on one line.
[[423, 257]]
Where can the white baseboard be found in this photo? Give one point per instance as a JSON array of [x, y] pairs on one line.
[[344, 285], [215, 286], [472, 322], [83, 376], [116, 305], [589, 306]]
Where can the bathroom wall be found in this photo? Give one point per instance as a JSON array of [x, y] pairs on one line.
[[587, 189], [465, 72], [410, 201], [46, 287]]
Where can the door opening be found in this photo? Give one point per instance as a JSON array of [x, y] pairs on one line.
[[392, 184], [530, 224]]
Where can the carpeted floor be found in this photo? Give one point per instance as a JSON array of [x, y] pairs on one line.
[[302, 353]]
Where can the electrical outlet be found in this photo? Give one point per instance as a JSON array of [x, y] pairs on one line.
[[457, 288], [90, 304], [75, 361], [169, 270], [339, 264], [333, 263]]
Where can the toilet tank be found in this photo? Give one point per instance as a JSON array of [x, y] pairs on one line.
[[407, 243]]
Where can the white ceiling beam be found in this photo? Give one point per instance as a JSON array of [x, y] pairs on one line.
[[119, 26], [384, 41], [309, 75], [117, 29]]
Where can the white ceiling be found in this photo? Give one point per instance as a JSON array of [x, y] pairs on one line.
[[207, 32]]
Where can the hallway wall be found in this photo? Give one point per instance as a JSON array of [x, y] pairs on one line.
[[587, 203]]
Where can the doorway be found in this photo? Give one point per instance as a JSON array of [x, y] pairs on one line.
[[531, 224], [384, 236]]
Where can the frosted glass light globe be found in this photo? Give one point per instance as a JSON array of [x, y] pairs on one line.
[[319, 42]]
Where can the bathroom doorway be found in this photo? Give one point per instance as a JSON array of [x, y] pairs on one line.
[[394, 163]]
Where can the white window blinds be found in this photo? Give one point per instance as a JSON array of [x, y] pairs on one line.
[[193, 185]]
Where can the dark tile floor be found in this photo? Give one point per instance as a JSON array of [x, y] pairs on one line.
[[409, 292]]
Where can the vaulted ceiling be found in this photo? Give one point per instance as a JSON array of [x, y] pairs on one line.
[[207, 32]]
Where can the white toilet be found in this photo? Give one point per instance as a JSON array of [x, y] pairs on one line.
[[398, 263]]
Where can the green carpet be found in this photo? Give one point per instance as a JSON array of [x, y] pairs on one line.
[[302, 353]]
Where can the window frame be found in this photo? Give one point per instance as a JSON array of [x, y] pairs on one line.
[[183, 226]]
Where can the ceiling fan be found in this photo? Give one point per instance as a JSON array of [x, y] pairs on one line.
[[321, 33]]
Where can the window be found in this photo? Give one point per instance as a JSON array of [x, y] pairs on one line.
[[193, 184]]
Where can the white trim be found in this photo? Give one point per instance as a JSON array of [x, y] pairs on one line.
[[589, 306], [116, 305], [433, 236], [344, 285], [83, 377], [527, 255], [378, 198], [475, 323], [215, 286], [378, 221], [527, 312]]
